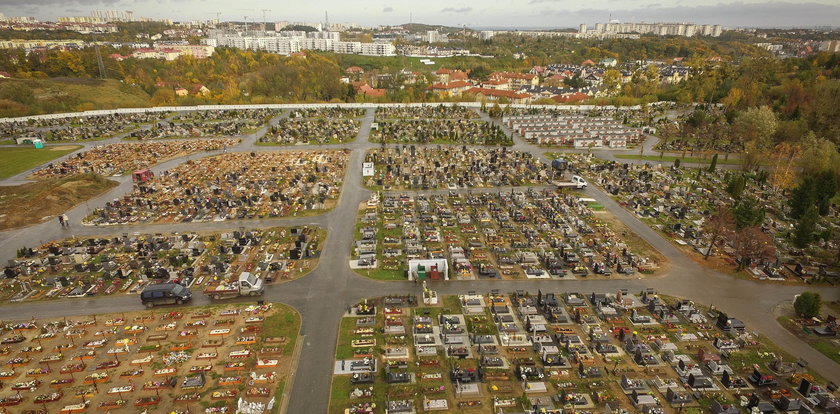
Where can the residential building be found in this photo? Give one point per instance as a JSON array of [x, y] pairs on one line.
[[831, 46], [432, 36], [378, 49], [444, 75], [286, 43], [450, 89], [41, 44], [493, 95], [196, 51], [660, 29], [516, 80], [113, 15], [165, 54]]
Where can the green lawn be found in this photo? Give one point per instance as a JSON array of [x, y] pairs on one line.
[[669, 158], [382, 274], [824, 345], [16, 160]]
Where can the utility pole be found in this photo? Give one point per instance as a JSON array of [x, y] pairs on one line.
[[99, 62]]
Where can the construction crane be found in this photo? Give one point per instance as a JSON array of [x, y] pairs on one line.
[[265, 10]]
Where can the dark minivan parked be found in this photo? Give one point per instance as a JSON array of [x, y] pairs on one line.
[[165, 294]]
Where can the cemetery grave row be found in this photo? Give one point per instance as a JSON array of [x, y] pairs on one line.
[[616, 352], [123, 158], [820, 332], [410, 167], [126, 264], [328, 112], [261, 115], [313, 131], [439, 131], [673, 139], [611, 112], [678, 201], [426, 111], [579, 130], [141, 126], [209, 123], [201, 360], [73, 129], [196, 129], [230, 187], [706, 134], [534, 234]]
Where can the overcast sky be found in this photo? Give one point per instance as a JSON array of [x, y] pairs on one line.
[[484, 13]]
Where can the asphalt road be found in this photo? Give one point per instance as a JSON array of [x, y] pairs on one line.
[[324, 295]]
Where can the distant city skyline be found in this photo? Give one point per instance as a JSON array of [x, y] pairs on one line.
[[492, 13]]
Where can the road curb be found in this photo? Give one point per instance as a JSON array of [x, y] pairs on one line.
[[284, 407]]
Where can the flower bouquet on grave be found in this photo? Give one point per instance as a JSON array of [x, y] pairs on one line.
[[113, 404], [224, 395], [11, 400], [188, 398], [26, 385], [230, 380], [61, 382], [147, 401], [51, 397]]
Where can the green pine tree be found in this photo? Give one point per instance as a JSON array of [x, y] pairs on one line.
[[804, 233]]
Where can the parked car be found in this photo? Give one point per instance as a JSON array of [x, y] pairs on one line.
[[165, 294]]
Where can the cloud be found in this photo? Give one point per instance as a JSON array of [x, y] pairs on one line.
[[544, 1], [387, 10], [458, 10], [50, 3], [765, 14]]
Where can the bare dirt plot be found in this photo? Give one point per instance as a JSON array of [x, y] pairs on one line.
[[25, 204]]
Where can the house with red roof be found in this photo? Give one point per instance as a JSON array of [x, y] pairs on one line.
[[499, 84], [444, 75], [515, 80], [450, 89], [372, 92], [200, 89], [492, 95]]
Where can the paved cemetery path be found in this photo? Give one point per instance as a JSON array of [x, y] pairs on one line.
[[324, 295]]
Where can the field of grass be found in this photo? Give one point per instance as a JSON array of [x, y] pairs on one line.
[[824, 345], [669, 158], [382, 274], [74, 94], [30, 203], [414, 63], [14, 161]]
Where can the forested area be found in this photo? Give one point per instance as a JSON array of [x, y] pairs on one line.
[[231, 75]]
